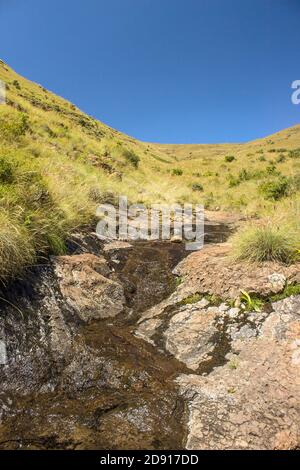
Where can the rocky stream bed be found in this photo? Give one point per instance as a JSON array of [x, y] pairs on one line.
[[123, 346]]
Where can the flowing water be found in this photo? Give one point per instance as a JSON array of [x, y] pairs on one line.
[[95, 386]]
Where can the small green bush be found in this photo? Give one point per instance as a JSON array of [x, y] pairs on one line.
[[294, 153], [275, 189], [13, 125], [245, 175], [49, 131], [281, 158], [233, 181], [177, 171], [16, 84], [229, 158], [132, 158], [197, 187], [271, 169], [6, 171], [295, 183]]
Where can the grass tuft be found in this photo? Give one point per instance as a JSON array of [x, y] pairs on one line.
[[266, 243]]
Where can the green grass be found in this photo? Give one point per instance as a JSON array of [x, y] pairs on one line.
[[191, 299], [57, 164], [194, 298], [289, 290], [251, 302]]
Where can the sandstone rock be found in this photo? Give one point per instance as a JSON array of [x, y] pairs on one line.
[[85, 288], [212, 271], [176, 239], [223, 307], [116, 245], [254, 405], [233, 312], [189, 336], [148, 328], [3, 353], [277, 281]]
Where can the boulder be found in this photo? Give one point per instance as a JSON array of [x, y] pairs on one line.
[[253, 403], [85, 288]]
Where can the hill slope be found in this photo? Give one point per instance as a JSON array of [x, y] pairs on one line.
[[57, 164]]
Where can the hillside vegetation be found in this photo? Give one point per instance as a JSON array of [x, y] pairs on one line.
[[57, 164]]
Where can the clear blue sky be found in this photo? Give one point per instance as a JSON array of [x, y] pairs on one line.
[[182, 71]]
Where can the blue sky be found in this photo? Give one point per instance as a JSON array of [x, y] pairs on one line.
[[182, 71]]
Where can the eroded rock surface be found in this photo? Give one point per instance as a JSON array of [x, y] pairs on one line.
[[211, 271], [253, 402], [85, 288], [72, 378], [190, 335], [243, 388], [90, 360]]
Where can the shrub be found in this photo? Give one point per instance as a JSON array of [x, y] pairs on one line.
[[294, 153], [13, 125], [271, 169], [49, 131], [197, 187], [251, 302], [265, 243], [262, 158], [295, 181], [244, 175], [6, 171], [281, 158], [233, 181], [132, 158], [275, 189], [177, 171], [229, 158], [16, 84]]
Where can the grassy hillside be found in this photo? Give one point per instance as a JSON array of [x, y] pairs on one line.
[[57, 164], [250, 177]]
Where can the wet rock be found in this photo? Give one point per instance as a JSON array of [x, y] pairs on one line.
[[3, 353], [85, 288], [148, 328], [190, 335], [72, 384]]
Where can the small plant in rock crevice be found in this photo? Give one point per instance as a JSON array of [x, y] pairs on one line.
[[251, 303]]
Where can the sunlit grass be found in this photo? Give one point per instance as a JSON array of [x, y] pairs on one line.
[[56, 164], [267, 242]]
